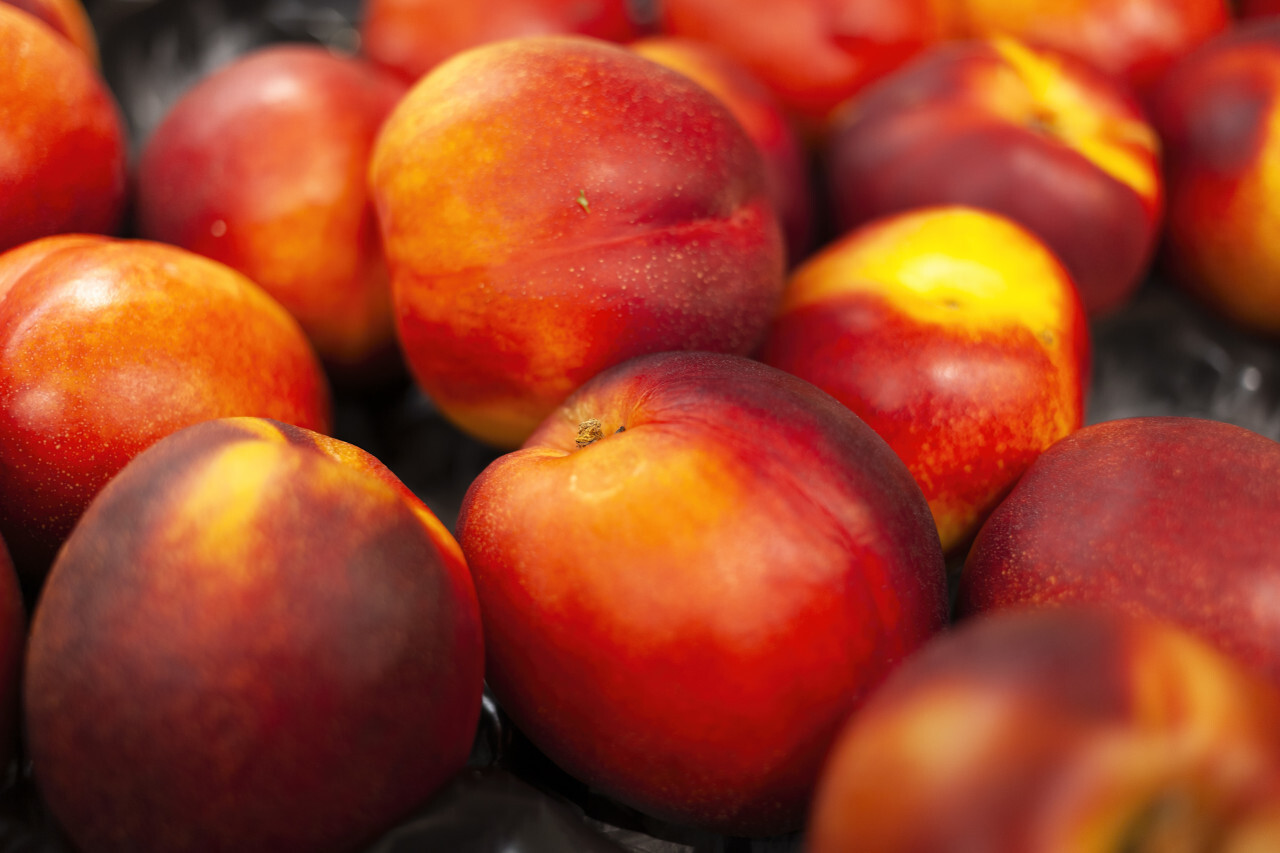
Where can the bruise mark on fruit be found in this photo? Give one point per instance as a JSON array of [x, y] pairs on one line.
[[582, 200], [589, 432]]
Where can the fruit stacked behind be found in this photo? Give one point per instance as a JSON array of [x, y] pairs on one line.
[[768, 315]]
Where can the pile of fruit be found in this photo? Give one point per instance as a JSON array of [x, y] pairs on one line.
[[772, 504]]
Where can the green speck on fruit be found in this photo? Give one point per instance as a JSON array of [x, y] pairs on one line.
[[582, 200]]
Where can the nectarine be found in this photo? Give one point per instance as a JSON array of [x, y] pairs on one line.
[[248, 645], [1029, 133], [64, 163], [107, 345], [689, 576], [263, 166], [956, 335], [1169, 517], [552, 206]]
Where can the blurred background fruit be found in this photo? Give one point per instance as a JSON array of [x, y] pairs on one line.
[[1215, 111], [1047, 141], [1133, 40], [1069, 729], [62, 136], [263, 166], [410, 37]]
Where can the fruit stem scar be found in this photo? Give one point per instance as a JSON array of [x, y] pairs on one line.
[[582, 200], [1043, 121], [589, 432]]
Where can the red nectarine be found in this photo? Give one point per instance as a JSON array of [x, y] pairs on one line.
[[247, 645], [107, 345], [552, 206], [691, 573]]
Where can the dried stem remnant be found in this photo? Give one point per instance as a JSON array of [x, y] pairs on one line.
[[589, 431]]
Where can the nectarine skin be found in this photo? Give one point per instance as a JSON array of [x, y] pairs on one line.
[[249, 646], [813, 54], [1036, 136], [1136, 41], [410, 37], [956, 335], [69, 18], [682, 611], [765, 121], [107, 345], [64, 167], [354, 457], [263, 166], [552, 206], [1215, 111], [1174, 518], [1055, 730]]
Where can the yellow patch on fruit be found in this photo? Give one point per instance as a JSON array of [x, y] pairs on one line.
[[1182, 684], [1123, 148], [1237, 254], [953, 266], [223, 502]]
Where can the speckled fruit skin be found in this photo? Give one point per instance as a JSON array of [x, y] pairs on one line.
[[1168, 517], [64, 167], [763, 118], [552, 206], [107, 345], [410, 37], [248, 646], [1052, 730], [1047, 141], [683, 612], [957, 336], [1217, 113], [1136, 41], [70, 20], [813, 54], [263, 166]]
